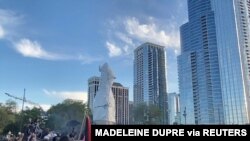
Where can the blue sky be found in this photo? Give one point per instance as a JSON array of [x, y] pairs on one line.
[[52, 47]]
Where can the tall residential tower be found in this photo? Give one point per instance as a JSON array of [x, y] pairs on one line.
[[150, 77]]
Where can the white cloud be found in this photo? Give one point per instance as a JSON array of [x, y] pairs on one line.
[[75, 95], [177, 52], [113, 49], [129, 33], [45, 107], [151, 32], [127, 50], [125, 38], [9, 17], [33, 49], [87, 59], [8, 21], [2, 32]]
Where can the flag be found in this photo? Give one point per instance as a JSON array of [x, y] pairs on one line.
[[87, 130]]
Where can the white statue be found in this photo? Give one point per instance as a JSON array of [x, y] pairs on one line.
[[104, 102]]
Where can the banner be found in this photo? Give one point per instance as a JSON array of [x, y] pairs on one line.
[[101, 132]]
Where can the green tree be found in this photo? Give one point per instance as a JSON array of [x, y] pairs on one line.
[[7, 114], [13, 127], [22, 119], [63, 112], [139, 113], [146, 114], [12, 121], [33, 114], [154, 115], [11, 106], [5, 118]]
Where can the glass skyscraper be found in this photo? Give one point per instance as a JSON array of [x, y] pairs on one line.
[[174, 108], [214, 65], [150, 77]]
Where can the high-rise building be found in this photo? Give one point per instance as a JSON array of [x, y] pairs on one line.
[[150, 77], [131, 112], [174, 108], [93, 84], [121, 103], [214, 65], [121, 95]]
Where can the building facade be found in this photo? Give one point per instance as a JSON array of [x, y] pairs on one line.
[[121, 95], [131, 112], [150, 77], [214, 64], [93, 84], [174, 108]]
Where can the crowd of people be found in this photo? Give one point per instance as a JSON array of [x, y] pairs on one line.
[[33, 132], [11, 137], [51, 136], [33, 137]]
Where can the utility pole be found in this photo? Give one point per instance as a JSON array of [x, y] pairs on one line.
[[24, 99], [185, 115]]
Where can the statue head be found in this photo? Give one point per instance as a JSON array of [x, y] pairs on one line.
[[106, 73]]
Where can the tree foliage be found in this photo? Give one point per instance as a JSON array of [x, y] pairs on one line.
[[11, 106], [63, 112], [146, 114], [57, 116], [5, 118], [15, 122], [7, 114]]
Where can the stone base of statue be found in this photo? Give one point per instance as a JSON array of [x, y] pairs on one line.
[[103, 122]]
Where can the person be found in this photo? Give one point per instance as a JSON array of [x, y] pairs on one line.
[[64, 138], [32, 137], [20, 136], [73, 133], [10, 136], [45, 132]]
